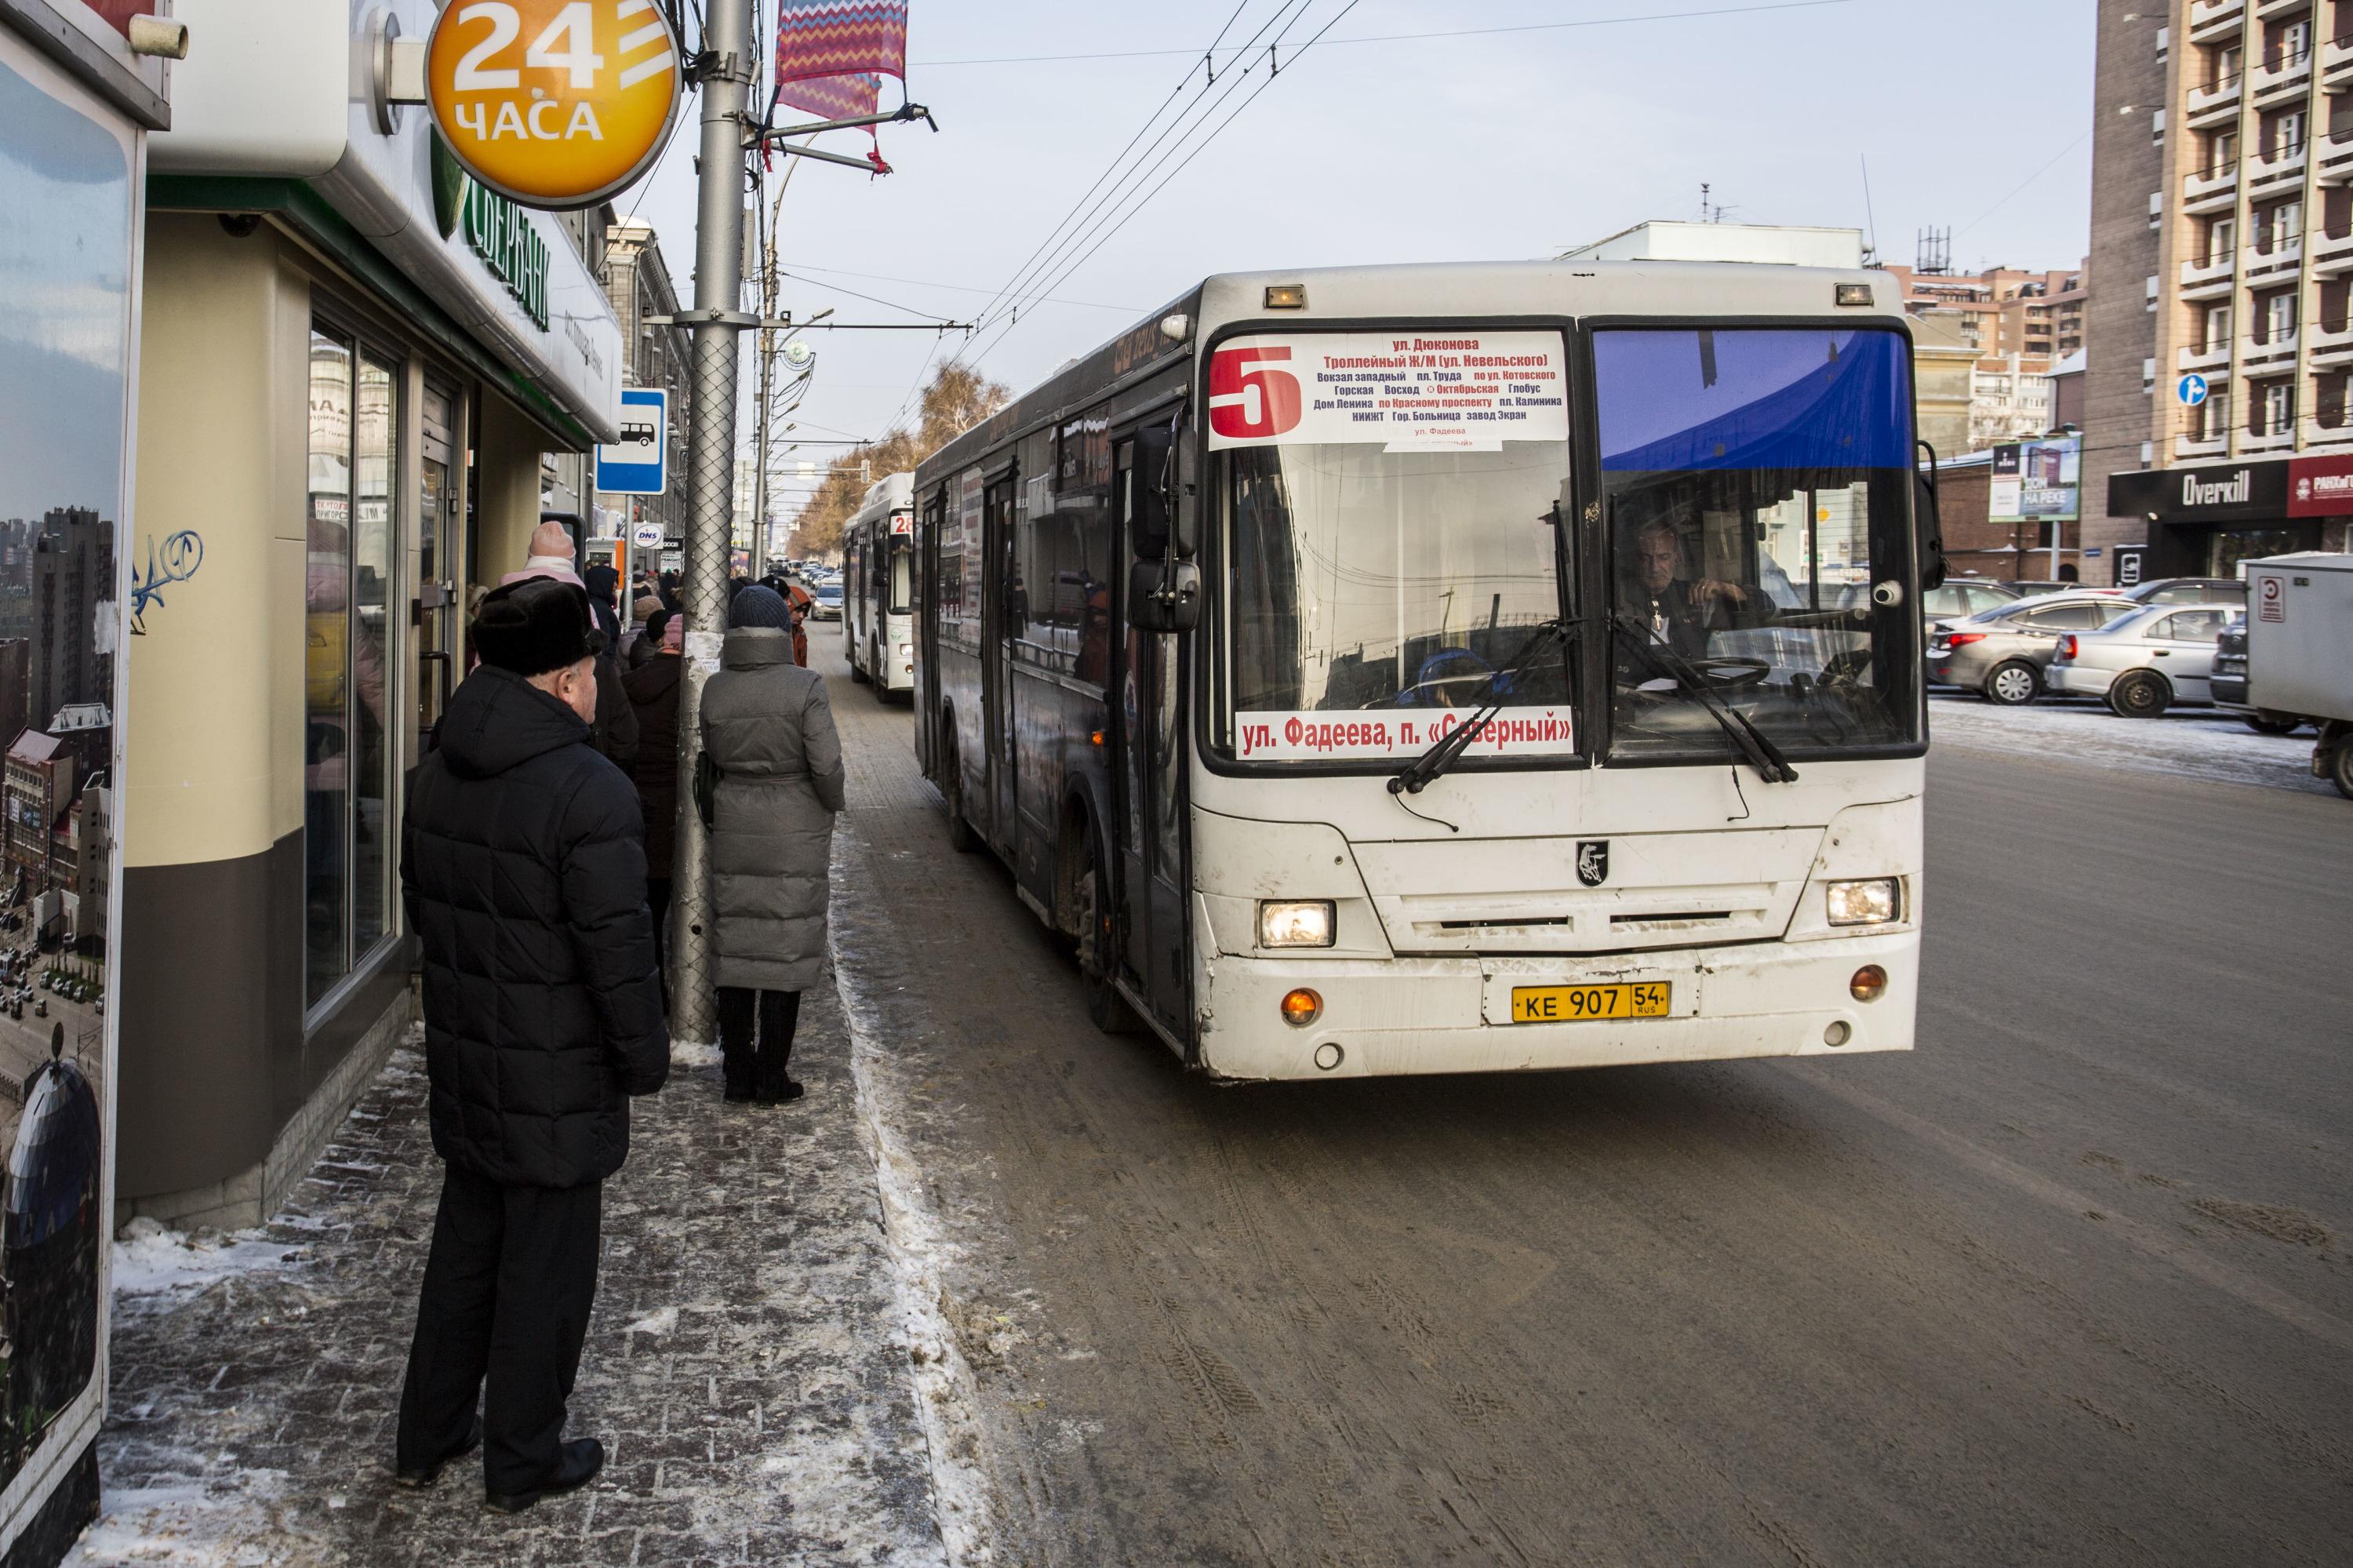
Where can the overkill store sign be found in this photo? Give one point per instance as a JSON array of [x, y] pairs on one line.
[[554, 104]]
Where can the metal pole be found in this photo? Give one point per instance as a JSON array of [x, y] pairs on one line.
[[718, 287]]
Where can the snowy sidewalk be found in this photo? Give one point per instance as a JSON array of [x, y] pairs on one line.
[[746, 1366]]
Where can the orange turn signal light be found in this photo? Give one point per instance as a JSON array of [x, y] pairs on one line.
[[1869, 984], [1301, 1008]]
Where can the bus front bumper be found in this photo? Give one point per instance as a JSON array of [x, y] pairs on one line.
[[1453, 1015]]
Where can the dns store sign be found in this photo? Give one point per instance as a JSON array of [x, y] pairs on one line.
[[555, 104]]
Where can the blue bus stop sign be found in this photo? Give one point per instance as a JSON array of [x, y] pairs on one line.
[[638, 463], [2191, 390]]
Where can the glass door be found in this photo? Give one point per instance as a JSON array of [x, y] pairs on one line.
[[436, 588]]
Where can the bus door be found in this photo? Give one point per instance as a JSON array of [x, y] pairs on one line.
[[927, 599], [1002, 618], [1150, 728]]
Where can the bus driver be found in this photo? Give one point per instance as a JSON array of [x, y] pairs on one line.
[[1681, 611]]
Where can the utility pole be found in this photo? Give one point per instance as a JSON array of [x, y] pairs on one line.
[[726, 68]]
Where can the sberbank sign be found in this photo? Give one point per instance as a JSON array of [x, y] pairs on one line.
[[500, 233]]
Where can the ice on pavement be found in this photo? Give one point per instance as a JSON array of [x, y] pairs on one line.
[[2190, 743], [152, 1260], [661, 1322]]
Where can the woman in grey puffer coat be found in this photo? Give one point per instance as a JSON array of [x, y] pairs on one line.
[[768, 727]]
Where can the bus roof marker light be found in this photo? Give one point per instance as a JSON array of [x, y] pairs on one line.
[[1286, 296], [1854, 294], [1176, 327]]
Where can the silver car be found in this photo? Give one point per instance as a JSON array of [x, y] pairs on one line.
[[2004, 652], [2144, 664]]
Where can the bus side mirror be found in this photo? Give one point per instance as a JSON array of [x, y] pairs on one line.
[[1147, 522], [1164, 596], [1929, 522]]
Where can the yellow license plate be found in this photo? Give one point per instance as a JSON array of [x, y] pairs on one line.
[[1579, 1004]]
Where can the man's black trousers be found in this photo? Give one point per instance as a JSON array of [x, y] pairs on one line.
[[507, 1291]]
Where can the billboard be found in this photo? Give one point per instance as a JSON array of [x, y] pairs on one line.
[[73, 176], [2037, 481]]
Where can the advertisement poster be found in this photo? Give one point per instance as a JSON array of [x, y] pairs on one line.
[[72, 176], [2036, 481], [1433, 390]]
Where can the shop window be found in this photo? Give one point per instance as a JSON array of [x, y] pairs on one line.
[[353, 468]]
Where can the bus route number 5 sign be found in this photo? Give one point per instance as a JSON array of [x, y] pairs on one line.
[[556, 105]]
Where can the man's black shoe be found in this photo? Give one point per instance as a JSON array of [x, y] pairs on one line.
[[425, 1475], [575, 1467]]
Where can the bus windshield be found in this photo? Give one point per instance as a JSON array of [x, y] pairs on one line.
[[1757, 490], [1370, 596]]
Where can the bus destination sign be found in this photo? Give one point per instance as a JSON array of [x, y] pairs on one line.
[[1433, 389]]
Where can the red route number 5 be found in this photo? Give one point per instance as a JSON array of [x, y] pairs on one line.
[[1248, 399]]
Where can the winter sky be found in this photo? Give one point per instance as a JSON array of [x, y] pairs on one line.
[[1975, 115]]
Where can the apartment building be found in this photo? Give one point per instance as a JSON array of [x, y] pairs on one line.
[[2222, 174], [2009, 311]]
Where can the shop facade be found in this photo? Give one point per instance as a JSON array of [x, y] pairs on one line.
[[357, 363], [2204, 521]]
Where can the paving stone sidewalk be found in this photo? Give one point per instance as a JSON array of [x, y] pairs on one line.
[[745, 1367]]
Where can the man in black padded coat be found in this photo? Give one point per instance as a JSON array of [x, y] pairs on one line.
[[523, 868]]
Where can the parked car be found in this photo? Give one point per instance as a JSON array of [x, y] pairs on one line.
[[2027, 588], [2189, 590], [1961, 597], [2004, 652], [2159, 655]]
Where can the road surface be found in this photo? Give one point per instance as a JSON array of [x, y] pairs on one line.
[[2071, 1284]]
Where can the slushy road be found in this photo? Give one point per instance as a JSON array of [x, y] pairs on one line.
[[2071, 1284]]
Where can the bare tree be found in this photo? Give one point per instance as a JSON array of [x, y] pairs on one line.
[[958, 398]]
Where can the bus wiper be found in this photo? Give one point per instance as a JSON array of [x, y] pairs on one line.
[[1754, 744], [1423, 770]]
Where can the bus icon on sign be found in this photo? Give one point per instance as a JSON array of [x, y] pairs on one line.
[[2191, 391]]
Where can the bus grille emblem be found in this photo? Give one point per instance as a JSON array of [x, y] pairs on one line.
[[1593, 862]]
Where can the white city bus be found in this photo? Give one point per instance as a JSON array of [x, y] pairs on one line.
[[1453, 668], [877, 591]]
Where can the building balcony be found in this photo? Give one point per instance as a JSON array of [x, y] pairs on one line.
[[2336, 64], [2211, 190], [2206, 279], [2212, 20], [2320, 438], [2263, 262], [2196, 445], [2272, 441], [2265, 8], [2192, 356], [2333, 349], [2334, 151], [2332, 254], [2282, 75], [2276, 173], [2276, 354], [2214, 104]]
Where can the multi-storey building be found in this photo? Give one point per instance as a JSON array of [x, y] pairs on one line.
[[2036, 315], [2222, 174]]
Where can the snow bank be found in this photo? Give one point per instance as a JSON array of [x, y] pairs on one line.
[[150, 1260], [2190, 743], [945, 1393]]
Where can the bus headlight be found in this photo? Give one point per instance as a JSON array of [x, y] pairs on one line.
[[1873, 903], [1295, 925]]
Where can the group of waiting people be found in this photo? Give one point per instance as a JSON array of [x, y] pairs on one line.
[[538, 850]]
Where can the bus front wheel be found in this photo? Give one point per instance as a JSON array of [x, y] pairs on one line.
[[1105, 1006]]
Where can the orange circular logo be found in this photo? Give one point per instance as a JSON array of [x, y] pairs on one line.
[[554, 104]]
